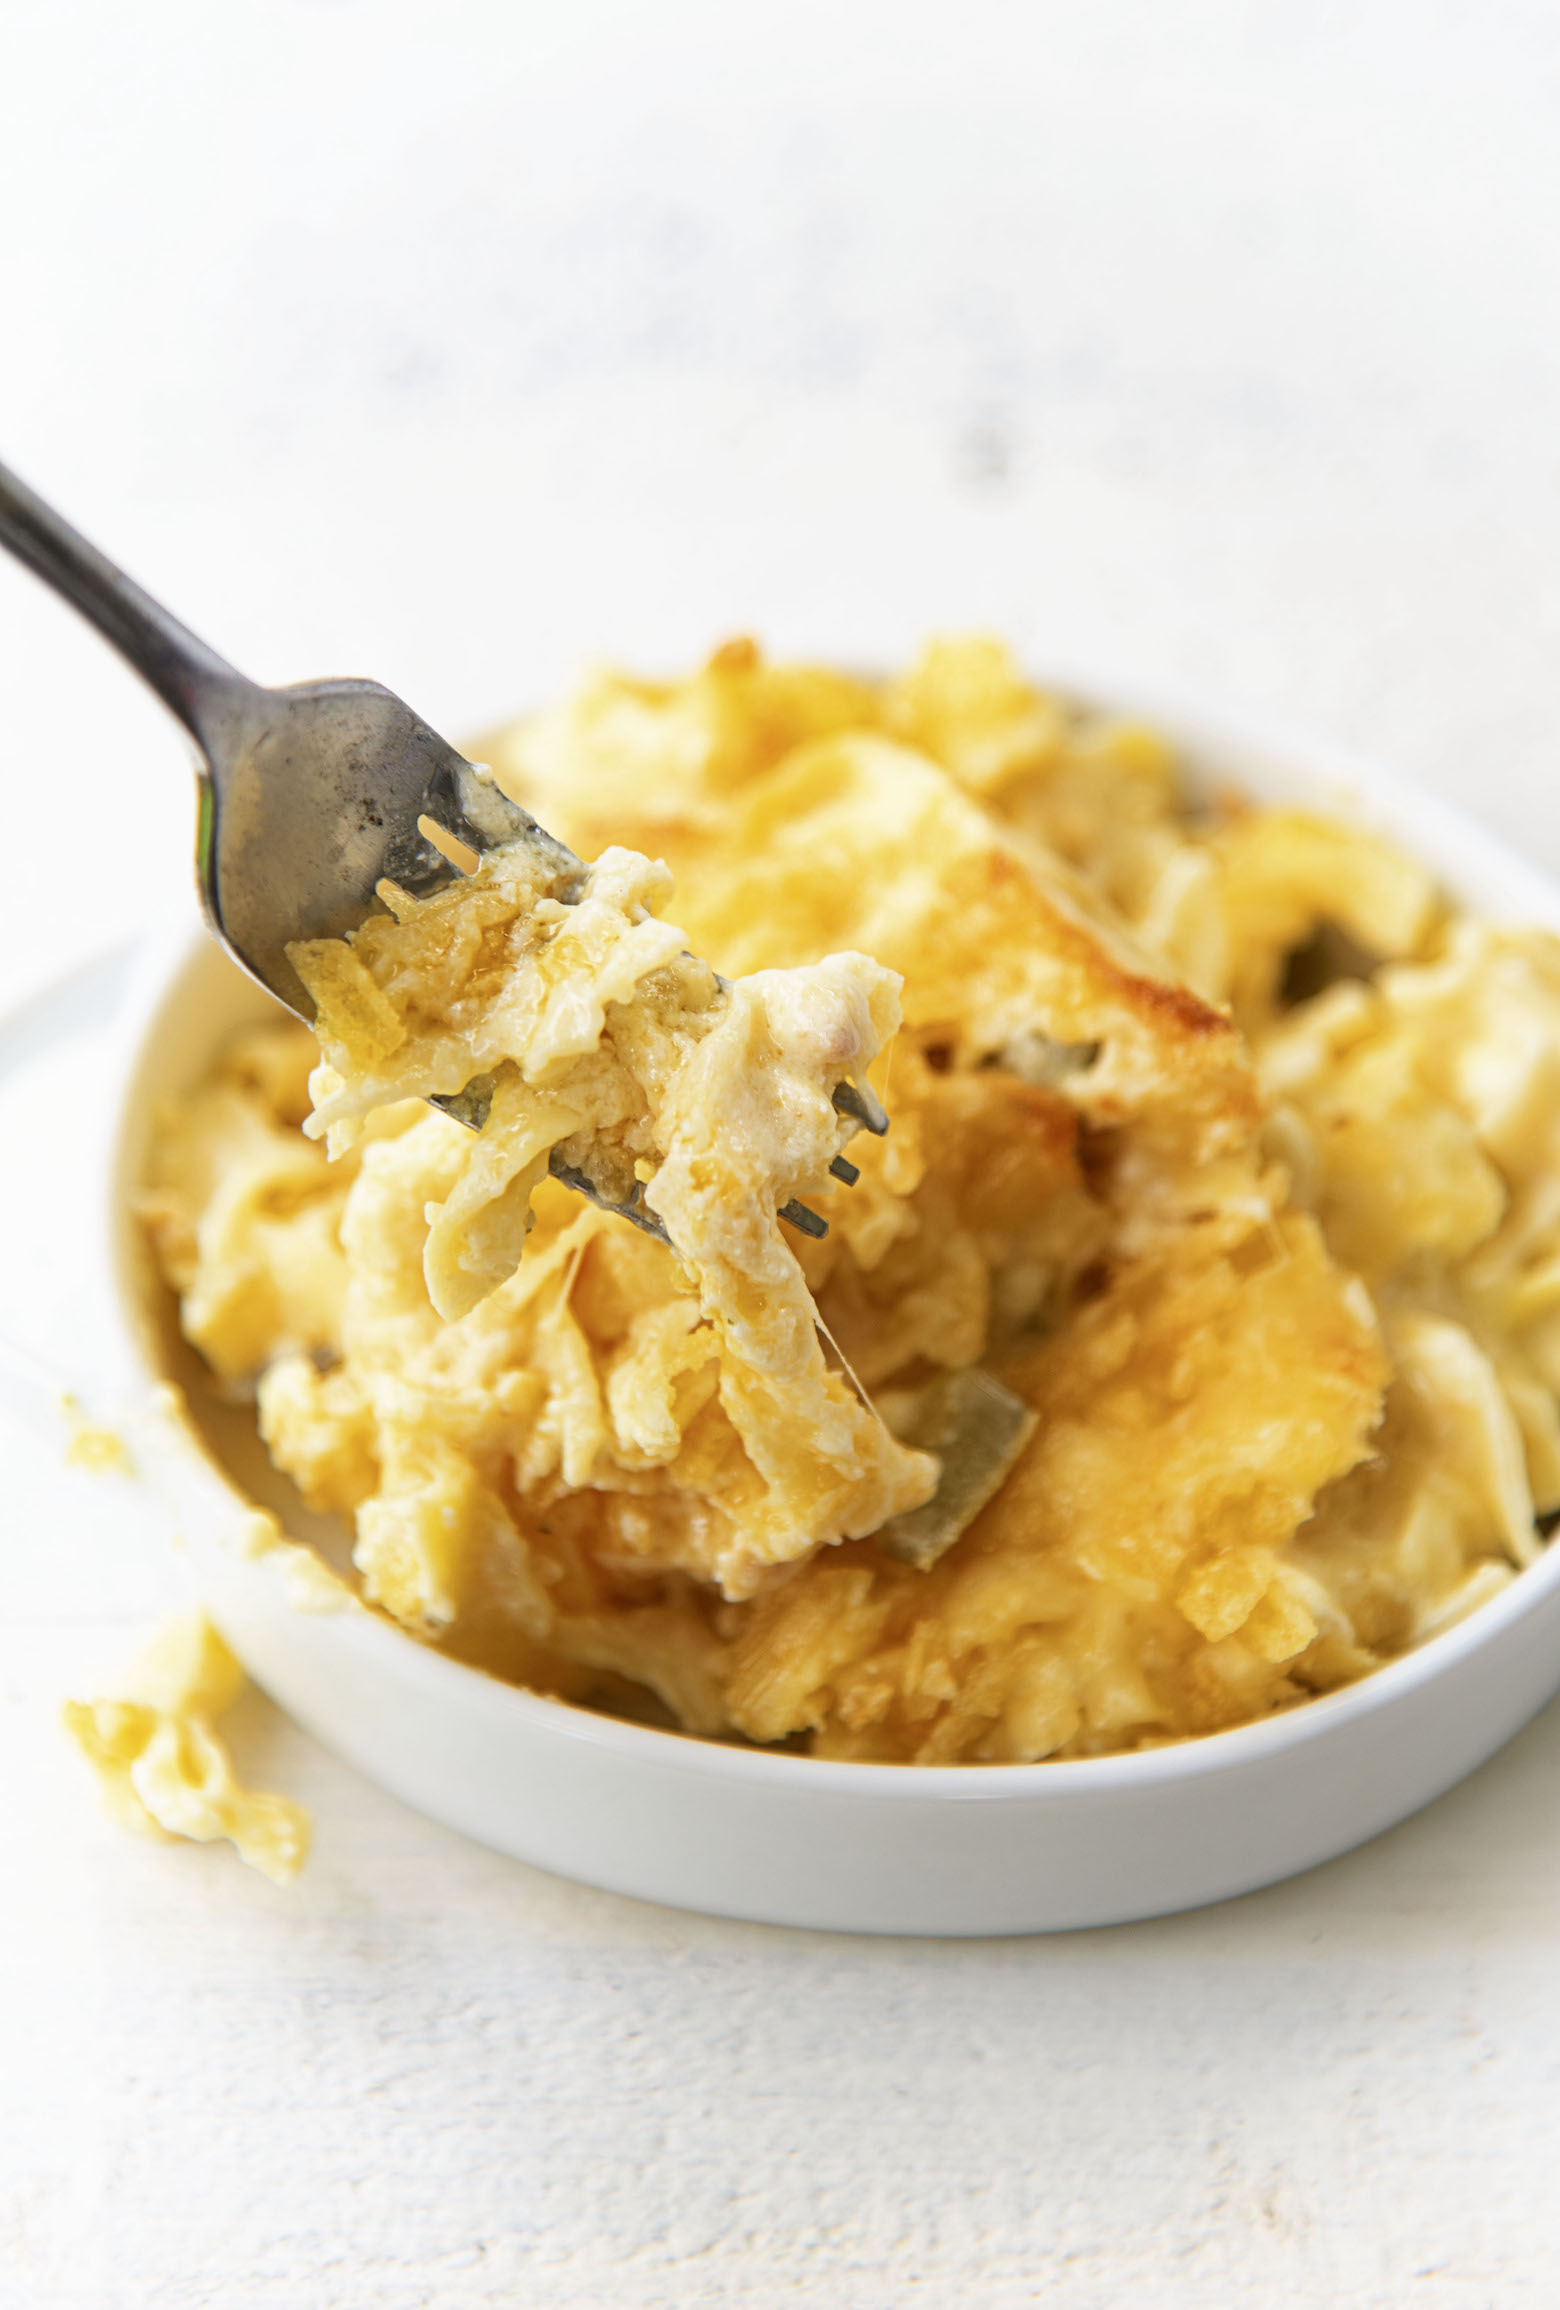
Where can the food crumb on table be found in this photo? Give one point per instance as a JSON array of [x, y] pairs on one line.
[[163, 1768]]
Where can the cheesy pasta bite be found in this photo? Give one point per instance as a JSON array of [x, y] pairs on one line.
[[1219, 1147]]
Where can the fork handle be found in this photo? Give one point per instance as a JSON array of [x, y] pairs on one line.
[[191, 680]]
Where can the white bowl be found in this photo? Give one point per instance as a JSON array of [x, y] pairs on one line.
[[964, 1849]]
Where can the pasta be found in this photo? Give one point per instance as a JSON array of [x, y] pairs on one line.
[[164, 1769], [1217, 1140]]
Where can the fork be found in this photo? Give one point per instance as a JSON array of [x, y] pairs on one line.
[[309, 796]]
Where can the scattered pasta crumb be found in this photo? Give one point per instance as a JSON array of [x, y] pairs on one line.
[[99, 1450], [164, 1770]]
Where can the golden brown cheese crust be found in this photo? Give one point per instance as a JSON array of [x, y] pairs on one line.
[[1293, 1411]]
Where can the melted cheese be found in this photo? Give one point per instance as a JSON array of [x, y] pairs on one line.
[[1276, 1281]]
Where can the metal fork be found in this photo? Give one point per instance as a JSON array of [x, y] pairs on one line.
[[309, 796]]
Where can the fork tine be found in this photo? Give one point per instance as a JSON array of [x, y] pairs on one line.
[[807, 1222], [636, 1211], [861, 1105]]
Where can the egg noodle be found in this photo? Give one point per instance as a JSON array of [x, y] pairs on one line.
[[1217, 1138], [165, 1770]]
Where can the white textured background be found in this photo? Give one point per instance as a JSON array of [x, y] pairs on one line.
[[455, 345]]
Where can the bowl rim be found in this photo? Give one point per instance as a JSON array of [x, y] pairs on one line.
[[1438, 832]]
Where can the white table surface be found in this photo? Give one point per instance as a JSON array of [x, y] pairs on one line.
[[457, 344]]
